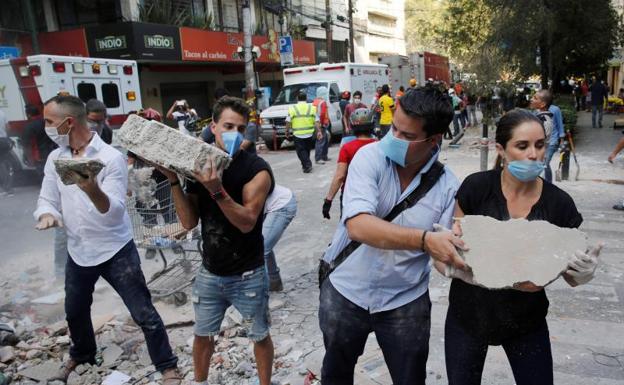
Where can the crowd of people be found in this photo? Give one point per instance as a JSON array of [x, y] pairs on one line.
[[400, 208]]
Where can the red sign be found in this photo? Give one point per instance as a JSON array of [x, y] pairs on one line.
[[65, 43], [208, 46]]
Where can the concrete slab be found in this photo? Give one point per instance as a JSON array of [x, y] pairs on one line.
[[503, 253], [64, 168], [41, 372]]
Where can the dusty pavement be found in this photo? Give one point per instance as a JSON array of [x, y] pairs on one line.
[[586, 323]]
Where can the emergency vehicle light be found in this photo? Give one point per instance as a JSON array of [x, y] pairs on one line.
[[95, 68], [23, 71], [334, 68], [58, 66], [78, 68], [293, 72], [112, 69], [127, 70], [130, 95], [35, 70]]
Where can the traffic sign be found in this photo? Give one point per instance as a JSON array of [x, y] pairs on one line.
[[9, 52], [286, 50]]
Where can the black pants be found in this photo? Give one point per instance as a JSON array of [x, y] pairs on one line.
[[303, 148], [530, 356], [124, 274], [402, 334]]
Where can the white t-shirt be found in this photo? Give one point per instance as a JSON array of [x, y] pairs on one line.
[[277, 199], [3, 122], [180, 118]]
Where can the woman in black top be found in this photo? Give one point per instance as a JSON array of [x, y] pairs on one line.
[[514, 318]]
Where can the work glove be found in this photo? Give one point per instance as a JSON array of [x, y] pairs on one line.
[[326, 207], [449, 270], [582, 266]]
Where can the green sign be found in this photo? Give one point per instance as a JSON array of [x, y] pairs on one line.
[[109, 43], [158, 41]]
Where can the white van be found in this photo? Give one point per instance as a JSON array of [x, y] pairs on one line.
[[337, 77], [35, 79]]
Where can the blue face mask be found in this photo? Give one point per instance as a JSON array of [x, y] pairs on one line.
[[395, 148], [525, 170], [232, 141]]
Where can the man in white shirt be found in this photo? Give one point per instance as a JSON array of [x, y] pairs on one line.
[[99, 236]]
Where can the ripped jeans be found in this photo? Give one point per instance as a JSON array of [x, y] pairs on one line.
[[248, 293], [123, 272]]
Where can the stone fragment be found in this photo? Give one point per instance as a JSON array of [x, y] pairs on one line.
[[161, 144], [53, 298], [32, 354], [41, 372], [116, 378], [7, 354], [81, 166], [111, 354], [62, 340], [503, 253]]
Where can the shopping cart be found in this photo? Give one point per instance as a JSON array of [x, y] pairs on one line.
[[157, 230]]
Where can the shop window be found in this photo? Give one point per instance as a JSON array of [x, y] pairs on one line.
[[73, 13], [110, 95], [86, 91]]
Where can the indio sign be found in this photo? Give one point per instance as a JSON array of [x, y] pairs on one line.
[[158, 41], [110, 43]]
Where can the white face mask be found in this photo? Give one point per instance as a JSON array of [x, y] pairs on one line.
[[60, 140], [356, 100]]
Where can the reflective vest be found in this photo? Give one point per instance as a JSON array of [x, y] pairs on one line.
[[302, 117]]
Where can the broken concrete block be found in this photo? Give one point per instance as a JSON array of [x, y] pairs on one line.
[[7, 354], [503, 253], [111, 354], [161, 144], [84, 167], [41, 372]]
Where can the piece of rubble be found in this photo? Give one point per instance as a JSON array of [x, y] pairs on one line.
[[161, 144], [7, 354], [504, 253], [50, 299], [41, 372], [116, 378], [111, 354], [83, 167]]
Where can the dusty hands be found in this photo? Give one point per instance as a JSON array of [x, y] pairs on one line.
[[86, 183], [208, 176], [47, 221], [582, 266], [442, 245]]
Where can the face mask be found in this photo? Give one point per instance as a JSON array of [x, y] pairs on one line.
[[395, 148], [60, 140], [525, 170], [357, 100], [232, 141], [96, 127]]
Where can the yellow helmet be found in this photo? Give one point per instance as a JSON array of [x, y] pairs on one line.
[[413, 82]]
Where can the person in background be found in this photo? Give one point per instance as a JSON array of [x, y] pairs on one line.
[[457, 107], [304, 123], [361, 123], [618, 148], [584, 93], [399, 93], [6, 146], [514, 318], [345, 98], [599, 95], [387, 106], [354, 105], [34, 136], [279, 210], [181, 112], [322, 139], [97, 120], [471, 108], [556, 135]]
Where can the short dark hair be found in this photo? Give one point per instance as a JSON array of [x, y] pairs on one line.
[[508, 123], [385, 89], [31, 110], [545, 96], [94, 105], [401, 88], [302, 96], [221, 92], [235, 104], [357, 93], [70, 105], [430, 105]]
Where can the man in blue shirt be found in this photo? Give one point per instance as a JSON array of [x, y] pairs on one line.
[[382, 287], [557, 132]]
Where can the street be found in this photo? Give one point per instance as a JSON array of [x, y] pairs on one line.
[[586, 323]]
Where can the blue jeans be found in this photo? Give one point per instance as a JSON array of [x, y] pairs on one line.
[[456, 125], [123, 273], [322, 146], [60, 251], [247, 292], [597, 109], [530, 356], [272, 229], [550, 152], [402, 334]]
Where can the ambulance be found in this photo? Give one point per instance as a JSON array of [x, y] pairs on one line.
[[337, 77], [35, 79]]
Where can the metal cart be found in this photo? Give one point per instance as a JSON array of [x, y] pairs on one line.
[[157, 230]]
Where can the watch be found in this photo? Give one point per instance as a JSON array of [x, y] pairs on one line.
[[218, 195]]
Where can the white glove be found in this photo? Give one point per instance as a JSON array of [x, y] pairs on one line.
[[451, 271], [582, 266]]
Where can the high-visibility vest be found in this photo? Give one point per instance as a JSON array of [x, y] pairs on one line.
[[302, 120]]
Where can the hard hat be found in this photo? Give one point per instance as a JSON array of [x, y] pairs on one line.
[[346, 95], [412, 82], [361, 117]]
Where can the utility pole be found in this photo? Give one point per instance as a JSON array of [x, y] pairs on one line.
[[351, 39], [328, 30], [250, 77]]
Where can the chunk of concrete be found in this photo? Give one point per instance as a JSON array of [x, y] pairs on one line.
[[43, 372], [503, 253], [83, 167], [161, 144]]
